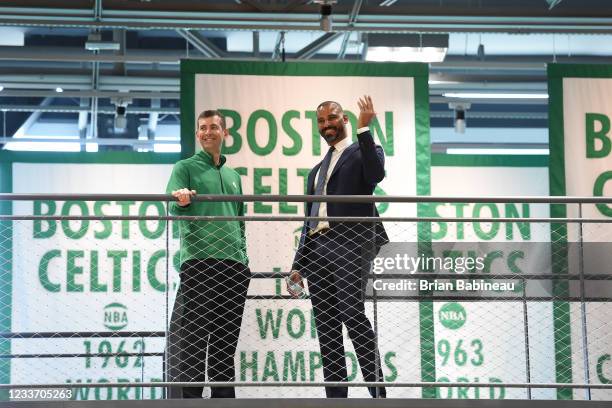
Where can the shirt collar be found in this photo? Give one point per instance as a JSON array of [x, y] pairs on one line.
[[342, 144], [204, 155]]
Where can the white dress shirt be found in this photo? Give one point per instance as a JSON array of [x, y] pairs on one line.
[[338, 149]]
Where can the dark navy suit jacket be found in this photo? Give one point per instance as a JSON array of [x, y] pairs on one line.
[[360, 167]]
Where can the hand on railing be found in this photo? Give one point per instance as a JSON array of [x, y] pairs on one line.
[[183, 196]]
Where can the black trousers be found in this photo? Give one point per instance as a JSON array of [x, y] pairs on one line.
[[213, 293], [336, 284]]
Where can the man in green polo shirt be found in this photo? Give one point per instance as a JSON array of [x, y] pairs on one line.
[[214, 266]]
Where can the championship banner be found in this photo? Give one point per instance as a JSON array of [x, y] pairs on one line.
[[487, 341], [580, 113], [270, 109], [86, 276]]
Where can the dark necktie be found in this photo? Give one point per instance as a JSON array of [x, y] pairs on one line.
[[314, 210]]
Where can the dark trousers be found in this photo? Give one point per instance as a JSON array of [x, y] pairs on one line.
[[335, 282], [213, 293]]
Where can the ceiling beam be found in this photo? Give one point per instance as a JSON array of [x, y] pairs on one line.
[[84, 108], [253, 4], [201, 43], [397, 22], [119, 36], [99, 141], [491, 115], [90, 94], [317, 45], [73, 82], [83, 116], [171, 57], [347, 35], [278, 45], [27, 124], [256, 50], [74, 54], [444, 100]]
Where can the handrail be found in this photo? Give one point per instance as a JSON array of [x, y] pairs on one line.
[[211, 218], [311, 198], [306, 384]]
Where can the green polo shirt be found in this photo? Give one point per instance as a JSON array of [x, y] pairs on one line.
[[209, 239]]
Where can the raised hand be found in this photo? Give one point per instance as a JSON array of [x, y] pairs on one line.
[[366, 111]]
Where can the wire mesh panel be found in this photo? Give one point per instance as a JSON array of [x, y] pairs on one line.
[[498, 299], [89, 301]]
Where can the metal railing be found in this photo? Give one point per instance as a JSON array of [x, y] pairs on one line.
[[89, 288]]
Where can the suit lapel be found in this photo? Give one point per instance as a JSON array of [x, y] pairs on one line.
[[311, 178], [345, 154]]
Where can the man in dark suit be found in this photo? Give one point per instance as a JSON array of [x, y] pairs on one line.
[[335, 256]]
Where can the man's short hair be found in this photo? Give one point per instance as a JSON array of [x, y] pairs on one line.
[[209, 114], [322, 104]]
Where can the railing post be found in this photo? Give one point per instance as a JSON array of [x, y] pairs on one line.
[[585, 343], [166, 317], [375, 307], [526, 331]]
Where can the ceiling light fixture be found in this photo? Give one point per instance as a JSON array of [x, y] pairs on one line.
[[442, 82], [480, 53], [406, 54], [460, 109], [407, 47], [326, 11], [121, 122], [95, 43], [492, 95], [475, 150]]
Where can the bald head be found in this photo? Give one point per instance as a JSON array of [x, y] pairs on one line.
[[330, 104]]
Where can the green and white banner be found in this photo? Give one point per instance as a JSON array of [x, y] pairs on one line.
[[270, 110], [88, 276], [487, 341], [581, 165]]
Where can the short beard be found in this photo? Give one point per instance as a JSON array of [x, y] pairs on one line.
[[332, 138]]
